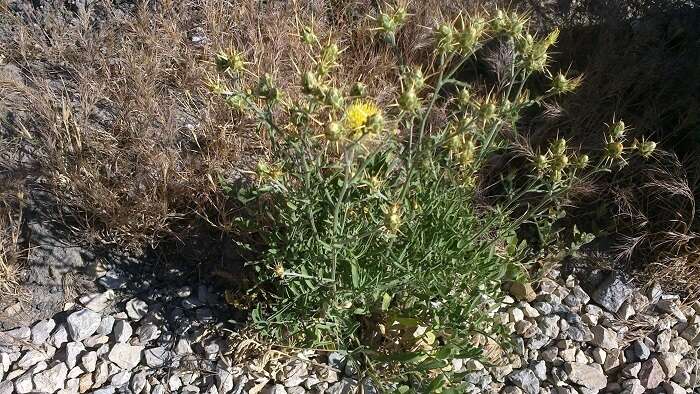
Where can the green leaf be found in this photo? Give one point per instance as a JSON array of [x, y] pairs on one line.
[[386, 300]]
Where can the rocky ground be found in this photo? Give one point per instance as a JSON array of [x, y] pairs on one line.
[[567, 337]]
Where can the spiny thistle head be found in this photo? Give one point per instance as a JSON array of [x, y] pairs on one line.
[[392, 218], [464, 98], [334, 131], [329, 58], [541, 163], [409, 101], [445, 37], [558, 146], [414, 78], [559, 162], [335, 98], [618, 130], [614, 149], [488, 110], [561, 84], [310, 84], [466, 156], [279, 270], [536, 55], [358, 89], [645, 148], [308, 36], [375, 123], [582, 161], [229, 61], [267, 89], [358, 113]]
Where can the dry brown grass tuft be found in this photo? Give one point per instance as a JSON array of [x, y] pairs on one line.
[[114, 111]]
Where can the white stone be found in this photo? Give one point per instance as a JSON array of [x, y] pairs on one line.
[[138, 382], [51, 380], [604, 338], [136, 309], [121, 378], [589, 376], [24, 384], [122, 331], [599, 355], [31, 358], [82, 324], [73, 350], [42, 330], [125, 356], [59, 337], [89, 361]]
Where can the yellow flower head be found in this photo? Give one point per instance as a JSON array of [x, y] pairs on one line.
[[359, 112]]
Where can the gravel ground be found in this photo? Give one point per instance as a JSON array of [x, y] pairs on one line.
[[612, 338]]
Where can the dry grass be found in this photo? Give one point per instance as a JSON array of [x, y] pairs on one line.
[[115, 120], [116, 117]]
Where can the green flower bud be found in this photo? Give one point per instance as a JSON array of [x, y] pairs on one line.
[[464, 98], [409, 101], [308, 36], [334, 98], [618, 130], [558, 146], [646, 148], [359, 89], [582, 162], [614, 149], [334, 131]]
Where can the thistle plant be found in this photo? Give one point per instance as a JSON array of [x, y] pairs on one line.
[[375, 242]]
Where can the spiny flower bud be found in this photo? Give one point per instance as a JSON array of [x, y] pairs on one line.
[[558, 146], [334, 131], [582, 161], [232, 61], [400, 15], [359, 89], [614, 149], [334, 98], [279, 270], [236, 101], [561, 84], [375, 123], [646, 148], [466, 156], [559, 162], [310, 84], [392, 218], [409, 101], [266, 88], [618, 130], [413, 78], [541, 162], [488, 110], [329, 58], [444, 34], [308, 36], [464, 98]]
